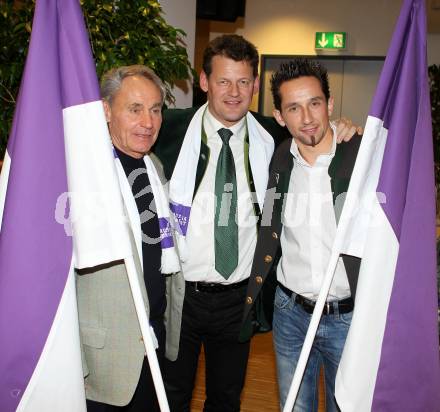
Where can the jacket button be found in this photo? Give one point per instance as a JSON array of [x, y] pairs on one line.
[[268, 258], [259, 279], [275, 235], [141, 339], [249, 300]]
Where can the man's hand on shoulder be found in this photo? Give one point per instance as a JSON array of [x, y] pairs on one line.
[[345, 129]]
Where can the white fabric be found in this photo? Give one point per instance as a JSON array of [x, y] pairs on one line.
[[59, 370], [200, 265], [369, 235], [169, 260], [182, 182], [100, 233], [4, 178], [356, 377], [361, 196], [309, 229]]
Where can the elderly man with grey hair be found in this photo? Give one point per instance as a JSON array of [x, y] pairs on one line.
[[116, 372]]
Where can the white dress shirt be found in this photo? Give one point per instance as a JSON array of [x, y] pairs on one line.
[[200, 264], [309, 228]]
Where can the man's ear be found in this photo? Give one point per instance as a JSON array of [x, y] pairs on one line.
[[257, 85], [278, 117], [330, 105], [203, 81], [107, 111]]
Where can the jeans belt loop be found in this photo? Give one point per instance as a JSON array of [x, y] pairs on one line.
[[293, 298], [335, 308]]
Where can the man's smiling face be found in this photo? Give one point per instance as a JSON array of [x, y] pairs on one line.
[[305, 111], [134, 116], [230, 87]]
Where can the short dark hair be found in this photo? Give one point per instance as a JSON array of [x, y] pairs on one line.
[[293, 70], [234, 47]]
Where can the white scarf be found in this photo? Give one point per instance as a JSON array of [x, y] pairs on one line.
[[182, 183], [169, 260]]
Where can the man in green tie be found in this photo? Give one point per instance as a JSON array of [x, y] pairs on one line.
[[217, 158], [225, 224]]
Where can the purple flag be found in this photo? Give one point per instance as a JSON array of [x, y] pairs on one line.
[[40, 361], [391, 358]]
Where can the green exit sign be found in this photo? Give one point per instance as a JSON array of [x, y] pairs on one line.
[[330, 40]]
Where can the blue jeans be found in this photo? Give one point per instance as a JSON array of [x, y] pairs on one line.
[[290, 323]]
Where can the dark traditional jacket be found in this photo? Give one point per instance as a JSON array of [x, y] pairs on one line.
[[258, 308], [174, 125]]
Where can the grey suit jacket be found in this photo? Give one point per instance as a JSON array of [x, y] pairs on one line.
[[112, 346]]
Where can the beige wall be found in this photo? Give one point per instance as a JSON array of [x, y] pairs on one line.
[[182, 14], [433, 48], [288, 27]]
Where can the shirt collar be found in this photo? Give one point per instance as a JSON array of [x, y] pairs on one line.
[[212, 125], [323, 160]]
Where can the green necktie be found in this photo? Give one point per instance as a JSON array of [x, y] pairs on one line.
[[225, 229]]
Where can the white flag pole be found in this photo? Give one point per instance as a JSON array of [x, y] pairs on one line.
[[146, 334]]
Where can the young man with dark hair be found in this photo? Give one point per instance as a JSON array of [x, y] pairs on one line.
[[308, 174], [217, 158]]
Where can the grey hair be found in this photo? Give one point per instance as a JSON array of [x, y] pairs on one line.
[[111, 80]]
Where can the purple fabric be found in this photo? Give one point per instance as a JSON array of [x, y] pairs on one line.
[[409, 370], [166, 235], [181, 215], [35, 253]]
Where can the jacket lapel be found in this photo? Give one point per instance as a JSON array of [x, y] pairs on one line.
[[340, 171], [339, 182], [258, 311]]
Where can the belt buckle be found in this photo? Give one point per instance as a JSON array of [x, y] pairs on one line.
[[327, 308]]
